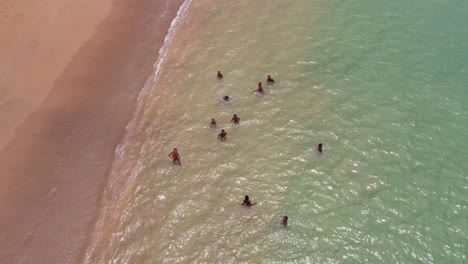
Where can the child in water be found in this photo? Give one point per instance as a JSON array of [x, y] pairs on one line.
[[219, 75], [319, 147]]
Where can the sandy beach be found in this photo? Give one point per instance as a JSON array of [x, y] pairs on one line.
[[69, 78]]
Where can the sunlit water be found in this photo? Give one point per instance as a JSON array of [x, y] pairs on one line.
[[382, 84]]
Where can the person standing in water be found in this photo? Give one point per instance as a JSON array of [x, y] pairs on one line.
[[222, 135], [174, 155], [219, 75], [319, 147], [269, 79], [247, 201], [259, 89], [235, 119], [284, 222], [213, 123]]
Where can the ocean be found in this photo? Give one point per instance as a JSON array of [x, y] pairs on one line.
[[381, 84]]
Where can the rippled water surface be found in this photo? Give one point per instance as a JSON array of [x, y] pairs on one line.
[[382, 84]]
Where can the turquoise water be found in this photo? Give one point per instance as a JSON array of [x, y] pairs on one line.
[[382, 84]]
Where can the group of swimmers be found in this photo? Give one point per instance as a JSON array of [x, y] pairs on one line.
[[174, 155]]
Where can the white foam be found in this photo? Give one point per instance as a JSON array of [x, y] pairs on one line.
[[122, 149], [175, 24]]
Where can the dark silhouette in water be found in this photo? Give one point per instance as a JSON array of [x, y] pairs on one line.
[[222, 135], [259, 89], [247, 201], [235, 119], [269, 79], [174, 155]]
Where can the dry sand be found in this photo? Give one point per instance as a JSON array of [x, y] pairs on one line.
[[38, 38], [69, 77]]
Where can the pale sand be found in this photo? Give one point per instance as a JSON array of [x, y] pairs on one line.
[[54, 166], [37, 40]]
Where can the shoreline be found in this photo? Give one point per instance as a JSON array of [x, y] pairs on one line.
[[56, 165], [116, 190]]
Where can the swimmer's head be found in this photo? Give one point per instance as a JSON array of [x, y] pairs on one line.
[[246, 198]]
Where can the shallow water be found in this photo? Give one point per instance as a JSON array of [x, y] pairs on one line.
[[381, 84]]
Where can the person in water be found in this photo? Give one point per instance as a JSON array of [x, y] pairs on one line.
[[213, 123], [219, 75], [319, 147], [284, 222], [174, 155], [222, 135], [247, 201], [260, 89], [226, 98], [235, 119], [269, 79]]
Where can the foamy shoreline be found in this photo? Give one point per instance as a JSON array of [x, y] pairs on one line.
[[55, 165]]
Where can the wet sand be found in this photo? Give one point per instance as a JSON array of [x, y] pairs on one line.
[[54, 165]]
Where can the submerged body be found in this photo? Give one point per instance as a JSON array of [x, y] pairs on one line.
[[259, 89], [222, 135], [235, 119], [174, 155]]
